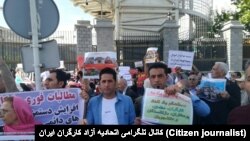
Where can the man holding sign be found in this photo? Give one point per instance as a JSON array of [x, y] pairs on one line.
[[158, 76], [225, 100]]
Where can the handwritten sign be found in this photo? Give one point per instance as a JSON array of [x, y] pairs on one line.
[[210, 89], [58, 106], [161, 109], [184, 59], [96, 61]]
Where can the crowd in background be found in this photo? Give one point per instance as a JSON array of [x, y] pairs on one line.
[[109, 99]]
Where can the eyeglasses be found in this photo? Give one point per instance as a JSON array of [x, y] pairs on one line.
[[191, 79]]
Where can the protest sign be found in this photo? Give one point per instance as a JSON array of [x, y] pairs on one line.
[[53, 107], [184, 59], [161, 109], [96, 61], [124, 73], [124, 70], [138, 64], [210, 89], [151, 55]]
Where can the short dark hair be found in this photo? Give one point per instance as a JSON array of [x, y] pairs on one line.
[[61, 76], [108, 71], [139, 69], [80, 73], [159, 65]]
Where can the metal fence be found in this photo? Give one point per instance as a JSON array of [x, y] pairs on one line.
[[207, 51], [133, 48], [10, 47], [130, 48]]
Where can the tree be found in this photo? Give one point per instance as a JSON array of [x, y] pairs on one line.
[[219, 20], [242, 14], [243, 7]]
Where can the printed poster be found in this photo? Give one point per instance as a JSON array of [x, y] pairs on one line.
[[151, 55], [210, 89], [53, 107], [94, 62], [161, 109]]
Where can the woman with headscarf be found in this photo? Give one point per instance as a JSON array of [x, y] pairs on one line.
[[17, 115]]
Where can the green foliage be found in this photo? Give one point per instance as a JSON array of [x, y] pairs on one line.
[[219, 20], [242, 14]]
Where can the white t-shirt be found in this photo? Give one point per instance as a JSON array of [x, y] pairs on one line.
[[108, 111]]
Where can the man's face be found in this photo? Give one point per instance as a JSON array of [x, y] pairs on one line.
[[157, 78], [107, 85], [233, 76], [177, 69], [241, 84], [247, 82], [46, 83], [121, 85], [216, 72], [192, 80], [52, 82]]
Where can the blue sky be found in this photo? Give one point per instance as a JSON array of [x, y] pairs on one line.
[[69, 14]]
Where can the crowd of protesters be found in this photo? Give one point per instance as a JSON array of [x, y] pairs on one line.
[[109, 99]]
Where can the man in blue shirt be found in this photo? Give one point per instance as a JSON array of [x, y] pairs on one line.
[[110, 107]]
